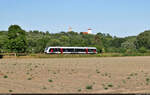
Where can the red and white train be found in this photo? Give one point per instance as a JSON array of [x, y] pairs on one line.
[[70, 50]]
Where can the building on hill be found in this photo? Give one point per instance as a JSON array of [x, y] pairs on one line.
[[88, 32], [70, 29]]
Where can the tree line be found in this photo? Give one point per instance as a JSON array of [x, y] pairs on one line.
[[17, 40]]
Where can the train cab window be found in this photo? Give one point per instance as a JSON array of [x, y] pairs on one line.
[[54, 50], [51, 50]]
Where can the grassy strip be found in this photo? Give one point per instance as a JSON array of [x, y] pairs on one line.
[[80, 55], [87, 55]]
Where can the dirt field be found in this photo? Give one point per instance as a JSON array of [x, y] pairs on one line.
[[75, 75]]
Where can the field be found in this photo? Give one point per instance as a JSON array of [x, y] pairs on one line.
[[75, 75]]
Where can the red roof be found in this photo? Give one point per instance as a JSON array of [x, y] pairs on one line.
[[85, 32]]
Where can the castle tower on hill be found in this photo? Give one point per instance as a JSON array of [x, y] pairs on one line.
[[70, 29], [89, 31]]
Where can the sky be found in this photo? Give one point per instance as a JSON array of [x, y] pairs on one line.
[[117, 17]]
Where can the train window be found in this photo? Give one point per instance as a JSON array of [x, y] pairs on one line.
[[56, 50], [70, 50], [80, 50], [65, 50], [90, 50]]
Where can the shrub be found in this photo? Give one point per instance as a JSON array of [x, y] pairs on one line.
[[142, 50], [10, 90], [105, 88], [89, 87], [29, 78], [44, 87], [110, 85], [147, 79], [79, 90], [50, 80], [5, 76]]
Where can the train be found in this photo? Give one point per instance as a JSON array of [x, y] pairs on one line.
[[70, 50]]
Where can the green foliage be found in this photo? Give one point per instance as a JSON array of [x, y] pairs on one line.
[[117, 42], [79, 90], [29, 78], [5, 76], [110, 85], [10, 90], [143, 40], [142, 50], [89, 87], [50, 80], [18, 40]]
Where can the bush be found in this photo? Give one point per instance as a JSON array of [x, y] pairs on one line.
[[89, 87], [142, 50]]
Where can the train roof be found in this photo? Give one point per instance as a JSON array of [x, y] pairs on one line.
[[73, 47]]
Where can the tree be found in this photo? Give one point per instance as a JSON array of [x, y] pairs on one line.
[[128, 45], [41, 44], [117, 42], [143, 40], [16, 39], [54, 42], [64, 40], [142, 50]]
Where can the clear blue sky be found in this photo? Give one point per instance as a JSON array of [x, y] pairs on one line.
[[116, 17]]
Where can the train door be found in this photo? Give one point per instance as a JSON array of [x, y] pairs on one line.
[[86, 50], [61, 50]]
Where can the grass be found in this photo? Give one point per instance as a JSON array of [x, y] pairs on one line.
[[131, 74], [5, 76], [79, 90], [97, 71], [106, 74], [50, 80], [89, 87], [128, 78], [29, 78], [105, 88], [36, 66], [135, 74], [147, 80], [44, 87], [110, 85], [93, 82], [124, 81], [10, 90], [83, 55]]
